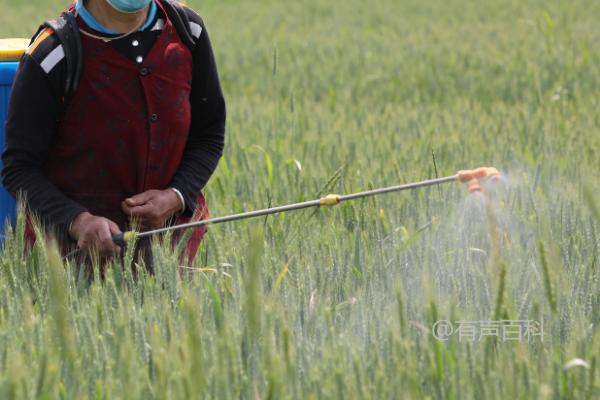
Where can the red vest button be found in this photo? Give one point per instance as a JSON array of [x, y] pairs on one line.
[[154, 117], [145, 71]]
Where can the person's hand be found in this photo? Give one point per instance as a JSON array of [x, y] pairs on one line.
[[152, 208], [94, 233]]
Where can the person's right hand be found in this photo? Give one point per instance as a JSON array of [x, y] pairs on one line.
[[94, 233]]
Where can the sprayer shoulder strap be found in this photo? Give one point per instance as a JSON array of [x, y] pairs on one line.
[[66, 29], [188, 31]]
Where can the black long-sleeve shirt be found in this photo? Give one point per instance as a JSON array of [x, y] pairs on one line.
[[35, 111]]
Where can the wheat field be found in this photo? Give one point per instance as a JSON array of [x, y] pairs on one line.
[[338, 97]]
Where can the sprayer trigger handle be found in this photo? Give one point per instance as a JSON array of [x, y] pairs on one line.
[[119, 239]]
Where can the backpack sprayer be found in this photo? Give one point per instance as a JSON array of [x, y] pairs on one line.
[[470, 177]]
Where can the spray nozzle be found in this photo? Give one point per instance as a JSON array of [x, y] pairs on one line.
[[466, 176], [472, 176], [474, 186]]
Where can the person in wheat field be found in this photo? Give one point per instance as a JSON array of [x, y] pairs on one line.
[[116, 115]]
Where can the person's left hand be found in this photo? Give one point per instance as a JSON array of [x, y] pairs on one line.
[[152, 208]]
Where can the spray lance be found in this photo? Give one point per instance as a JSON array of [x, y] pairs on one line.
[[470, 177]]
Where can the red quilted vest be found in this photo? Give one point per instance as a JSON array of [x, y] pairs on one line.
[[125, 129]]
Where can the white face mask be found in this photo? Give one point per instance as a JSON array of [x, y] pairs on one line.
[[129, 6]]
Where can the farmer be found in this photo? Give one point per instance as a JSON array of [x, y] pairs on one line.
[[137, 140]]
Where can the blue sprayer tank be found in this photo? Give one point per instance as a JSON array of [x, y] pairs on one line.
[[11, 51]]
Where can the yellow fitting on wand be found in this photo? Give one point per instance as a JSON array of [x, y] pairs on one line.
[[330, 200], [122, 239], [129, 236]]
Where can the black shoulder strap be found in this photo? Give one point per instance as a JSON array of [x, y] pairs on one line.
[[179, 17], [66, 30]]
